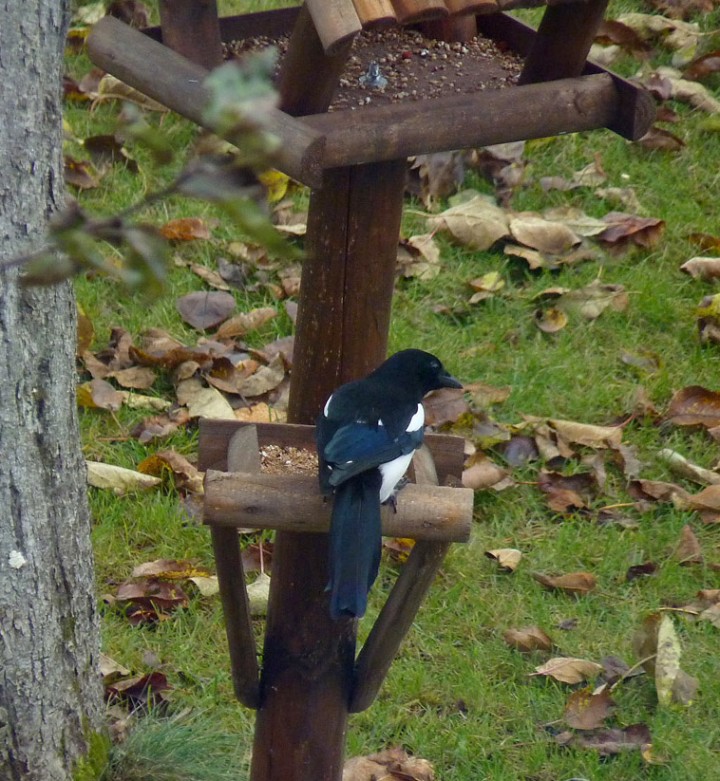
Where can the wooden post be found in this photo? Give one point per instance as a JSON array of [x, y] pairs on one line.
[[342, 328], [191, 28], [563, 40]]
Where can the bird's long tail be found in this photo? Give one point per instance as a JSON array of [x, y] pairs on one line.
[[355, 543]]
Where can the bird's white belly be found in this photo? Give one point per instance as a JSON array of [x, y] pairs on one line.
[[391, 473]]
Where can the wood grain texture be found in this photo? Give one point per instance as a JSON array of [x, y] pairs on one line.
[[336, 22], [191, 28]]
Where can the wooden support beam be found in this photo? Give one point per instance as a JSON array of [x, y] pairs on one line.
[[351, 247], [177, 83], [399, 611], [563, 40], [336, 22], [309, 75], [191, 28], [294, 503], [466, 121], [243, 455]]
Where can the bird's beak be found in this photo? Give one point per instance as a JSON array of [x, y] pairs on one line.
[[448, 381]]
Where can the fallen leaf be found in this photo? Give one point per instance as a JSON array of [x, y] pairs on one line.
[[507, 558], [393, 764], [99, 394], [543, 235], [568, 669], [186, 475], [81, 174], [587, 434], [160, 595], [585, 710], [688, 550], [705, 268], [610, 741], [667, 660], [694, 406], [258, 593], [659, 138], [110, 669], [684, 468], [243, 323], [203, 402], [486, 286], [574, 583], [443, 406], [117, 478], [185, 229], [419, 257], [207, 585], [551, 320], [482, 473], [134, 400], [593, 299], [205, 310], [625, 229], [139, 377], [476, 223], [265, 379], [160, 426], [168, 569], [530, 638], [141, 693]]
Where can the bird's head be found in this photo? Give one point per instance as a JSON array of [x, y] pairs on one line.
[[419, 368]]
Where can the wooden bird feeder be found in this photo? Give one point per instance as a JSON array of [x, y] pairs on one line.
[[355, 164]]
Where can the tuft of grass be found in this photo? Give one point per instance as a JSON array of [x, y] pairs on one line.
[[172, 750]]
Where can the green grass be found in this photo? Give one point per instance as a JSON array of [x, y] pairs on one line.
[[457, 694]]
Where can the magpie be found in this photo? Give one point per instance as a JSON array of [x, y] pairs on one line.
[[366, 436]]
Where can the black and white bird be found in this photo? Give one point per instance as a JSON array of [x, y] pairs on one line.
[[366, 436]]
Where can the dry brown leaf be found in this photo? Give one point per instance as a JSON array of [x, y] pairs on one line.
[[527, 639], [203, 402], [138, 377], [568, 669], [444, 406], [168, 569], [99, 394], [625, 229], [688, 550], [507, 558], [546, 236], [185, 229], [419, 257], [482, 473], [587, 434], [243, 323], [694, 406], [476, 223], [550, 321], [204, 310], [393, 764], [611, 741], [681, 466], [265, 379], [574, 583], [593, 299], [186, 475], [699, 267], [585, 710]]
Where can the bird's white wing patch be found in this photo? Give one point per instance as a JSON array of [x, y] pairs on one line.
[[326, 408], [417, 420]]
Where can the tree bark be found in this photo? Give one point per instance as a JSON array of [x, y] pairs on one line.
[[50, 698]]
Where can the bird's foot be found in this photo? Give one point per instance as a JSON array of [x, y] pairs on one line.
[[392, 499]]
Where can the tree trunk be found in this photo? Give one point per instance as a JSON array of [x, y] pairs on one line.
[[50, 699]]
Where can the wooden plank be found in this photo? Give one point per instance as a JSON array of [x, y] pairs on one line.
[[293, 503], [413, 11], [398, 613], [447, 450], [472, 6], [336, 22], [242, 456], [190, 27], [466, 121], [177, 83], [309, 75], [375, 12], [451, 28], [563, 40]]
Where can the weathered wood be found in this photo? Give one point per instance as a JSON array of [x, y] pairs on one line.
[[215, 435], [293, 503], [190, 28], [309, 75], [398, 613], [635, 111], [472, 6], [466, 121], [412, 11], [242, 455], [563, 40], [177, 83], [454, 28], [351, 251], [336, 22], [375, 12]]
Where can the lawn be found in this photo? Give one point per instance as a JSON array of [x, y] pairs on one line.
[[459, 694]]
